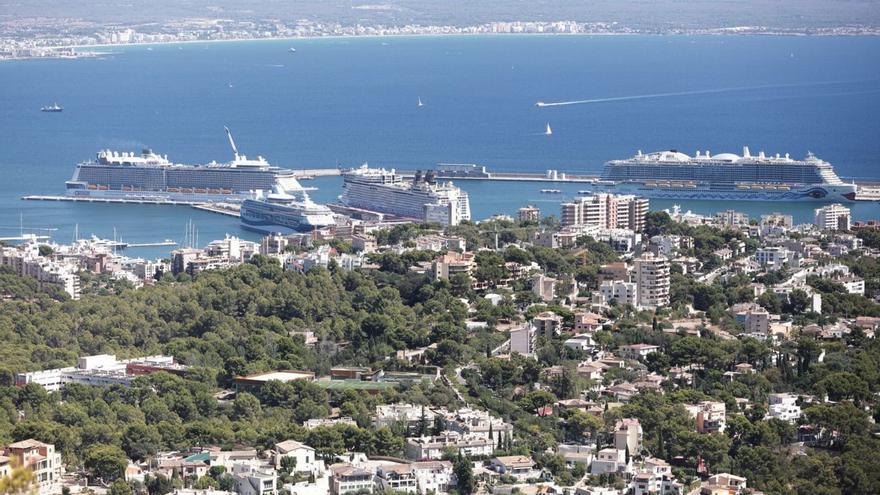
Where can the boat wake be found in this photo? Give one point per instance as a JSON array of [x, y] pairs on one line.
[[542, 104]]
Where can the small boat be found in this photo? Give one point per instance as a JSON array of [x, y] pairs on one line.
[[292, 50], [540, 104], [548, 131], [420, 102], [52, 108], [551, 191]]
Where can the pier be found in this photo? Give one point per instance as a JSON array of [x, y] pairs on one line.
[[141, 201]]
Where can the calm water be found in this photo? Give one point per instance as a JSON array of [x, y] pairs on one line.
[[350, 101]]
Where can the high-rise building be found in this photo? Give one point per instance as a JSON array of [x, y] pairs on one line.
[[528, 214], [833, 217], [652, 279], [607, 211]]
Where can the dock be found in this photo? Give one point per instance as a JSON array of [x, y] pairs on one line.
[[140, 201], [221, 208]]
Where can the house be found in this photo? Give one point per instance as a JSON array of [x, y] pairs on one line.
[[710, 416], [610, 460], [784, 407], [433, 447], [469, 421], [409, 415], [575, 454], [582, 342], [637, 351], [544, 287], [587, 322], [398, 477], [628, 435], [519, 466], [346, 478], [40, 458], [433, 476], [253, 480], [303, 456], [723, 484], [622, 392]]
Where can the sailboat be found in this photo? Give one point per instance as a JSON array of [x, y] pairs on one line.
[[548, 131], [420, 102]]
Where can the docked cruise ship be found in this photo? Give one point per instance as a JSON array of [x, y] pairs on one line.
[[423, 198], [152, 177], [725, 176], [281, 212]]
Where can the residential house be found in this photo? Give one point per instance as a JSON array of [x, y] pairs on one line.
[[346, 478], [519, 466], [42, 460], [433, 447], [254, 480]]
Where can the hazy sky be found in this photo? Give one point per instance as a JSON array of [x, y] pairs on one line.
[[644, 13]]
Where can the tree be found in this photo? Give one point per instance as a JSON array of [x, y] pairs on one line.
[[141, 441], [246, 407], [534, 401], [106, 462], [120, 487], [19, 481], [464, 473], [843, 385], [161, 485]]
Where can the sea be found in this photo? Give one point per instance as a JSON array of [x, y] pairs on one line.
[[347, 101]]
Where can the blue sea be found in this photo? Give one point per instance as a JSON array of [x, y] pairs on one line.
[[348, 101]]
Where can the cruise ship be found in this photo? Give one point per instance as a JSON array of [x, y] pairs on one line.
[[152, 177], [422, 199], [281, 212], [726, 176]]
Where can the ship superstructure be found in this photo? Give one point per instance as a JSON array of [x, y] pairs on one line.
[[153, 177], [423, 198], [676, 175]]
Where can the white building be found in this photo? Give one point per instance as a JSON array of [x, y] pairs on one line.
[[609, 461], [432, 447], [303, 455], [833, 217], [25, 261], [544, 287], [100, 370], [582, 342], [652, 280], [253, 480], [346, 478], [784, 407], [607, 211], [620, 291], [773, 257], [433, 476], [522, 340]]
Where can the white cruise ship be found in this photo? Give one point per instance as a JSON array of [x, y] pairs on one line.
[[422, 199], [150, 176], [726, 176], [281, 212]]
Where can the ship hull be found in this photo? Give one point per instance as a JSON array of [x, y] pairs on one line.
[[158, 196], [827, 193]]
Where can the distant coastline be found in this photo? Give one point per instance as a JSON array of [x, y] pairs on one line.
[[88, 50]]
